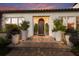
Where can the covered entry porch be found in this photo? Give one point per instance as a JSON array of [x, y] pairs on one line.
[[41, 25]]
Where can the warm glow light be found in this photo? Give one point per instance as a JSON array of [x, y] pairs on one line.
[[36, 19]]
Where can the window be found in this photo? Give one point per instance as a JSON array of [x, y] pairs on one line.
[[71, 19], [14, 20], [77, 22], [77, 19], [71, 22], [8, 21]]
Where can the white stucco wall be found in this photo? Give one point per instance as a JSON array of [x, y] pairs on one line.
[[29, 17]]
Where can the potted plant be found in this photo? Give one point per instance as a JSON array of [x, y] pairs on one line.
[[35, 29], [13, 32], [58, 30], [24, 30], [71, 36]]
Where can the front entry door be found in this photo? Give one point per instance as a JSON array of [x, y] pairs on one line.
[[41, 27]]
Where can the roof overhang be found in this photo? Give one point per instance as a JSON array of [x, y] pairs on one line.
[[38, 11]]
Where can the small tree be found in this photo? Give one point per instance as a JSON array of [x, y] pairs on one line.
[[59, 25], [24, 25], [46, 28], [35, 28]]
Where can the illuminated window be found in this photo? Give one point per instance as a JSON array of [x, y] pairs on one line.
[[71, 22], [14, 20], [8, 21]]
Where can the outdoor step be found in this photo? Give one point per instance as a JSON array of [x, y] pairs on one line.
[[41, 42], [39, 46], [39, 51]]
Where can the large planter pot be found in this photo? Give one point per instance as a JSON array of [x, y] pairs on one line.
[[57, 35], [67, 41], [24, 35], [54, 34], [15, 39]]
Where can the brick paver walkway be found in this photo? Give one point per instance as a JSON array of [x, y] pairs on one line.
[[42, 39], [39, 52], [40, 46]]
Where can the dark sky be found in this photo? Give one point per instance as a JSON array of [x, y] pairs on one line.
[[29, 6]]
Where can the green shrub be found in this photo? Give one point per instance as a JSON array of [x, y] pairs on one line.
[[59, 25], [3, 42], [75, 48], [12, 29], [24, 25], [11, 26], [3, 30], [46, 28], [35, 28], [4, 50]]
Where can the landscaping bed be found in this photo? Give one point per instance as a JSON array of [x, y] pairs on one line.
[[4, 51]]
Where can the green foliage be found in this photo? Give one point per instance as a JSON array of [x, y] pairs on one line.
[[58, 25], [2, 30], [3, 46], [3, 42], [12, 29], [75, 48], [46, 27], [24, 25], [11, 26], [36, 28]]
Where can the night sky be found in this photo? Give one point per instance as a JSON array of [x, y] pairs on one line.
[[30, 6]]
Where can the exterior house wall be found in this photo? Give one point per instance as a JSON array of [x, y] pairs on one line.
[[76, 6], [0, 21], [29, 17]]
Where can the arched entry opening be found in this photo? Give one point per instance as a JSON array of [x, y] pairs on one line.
[[41, 26]]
